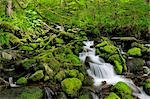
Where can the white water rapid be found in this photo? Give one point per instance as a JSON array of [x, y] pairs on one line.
[[101, 71]]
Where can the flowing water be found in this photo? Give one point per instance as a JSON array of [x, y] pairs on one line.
[[101, 71]]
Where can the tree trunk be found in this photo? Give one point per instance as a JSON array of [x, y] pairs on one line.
[[9, 8]]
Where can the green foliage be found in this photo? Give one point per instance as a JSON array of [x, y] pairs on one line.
[[37, 75], [31, 93], [118, 67], [134, 52], [112, 95], [71, 85], [22, 81]]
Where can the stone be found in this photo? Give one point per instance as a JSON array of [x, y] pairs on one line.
[[37, 75]]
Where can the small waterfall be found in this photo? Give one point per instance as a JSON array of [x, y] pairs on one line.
[[101, 71], [48, 93]]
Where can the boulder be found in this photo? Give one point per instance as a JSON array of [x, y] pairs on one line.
[[71, 86]]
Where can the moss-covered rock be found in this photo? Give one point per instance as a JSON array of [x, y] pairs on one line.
[[126, 96], [33, 45], [114, 57], [122, 87], [134, 52], [31, 93], [112, 95], [85, 96], [81, 76], [71, 85], [48, 70], [135, 64], [118, 67], [102, 44], [22, 81], [27, 63], [60, 76], [26, 48], [46, 78], [146, 86], [73, 59], [72, 73], [37, 75], [110, 49]]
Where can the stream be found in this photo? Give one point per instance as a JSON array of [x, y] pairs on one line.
[[101, 71]]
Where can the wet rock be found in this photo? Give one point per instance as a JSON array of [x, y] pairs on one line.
[[71, 86], [37, 75], [135, 64]]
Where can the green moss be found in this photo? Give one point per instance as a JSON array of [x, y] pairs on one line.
[[33, 45], [31, 93], [60, 76], [26, 48], [147, 80], [48, 70], [73, 59], [126, 96], [134, 51], [112, 95], [110, 49], [122, 87], [37, 75], [85, 96], [118, 67], [81, 76], [22, 81], [72, 73], [114, 57], [27, 63], [102, 44], [146, 86], [46, 78], [71, 85]]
